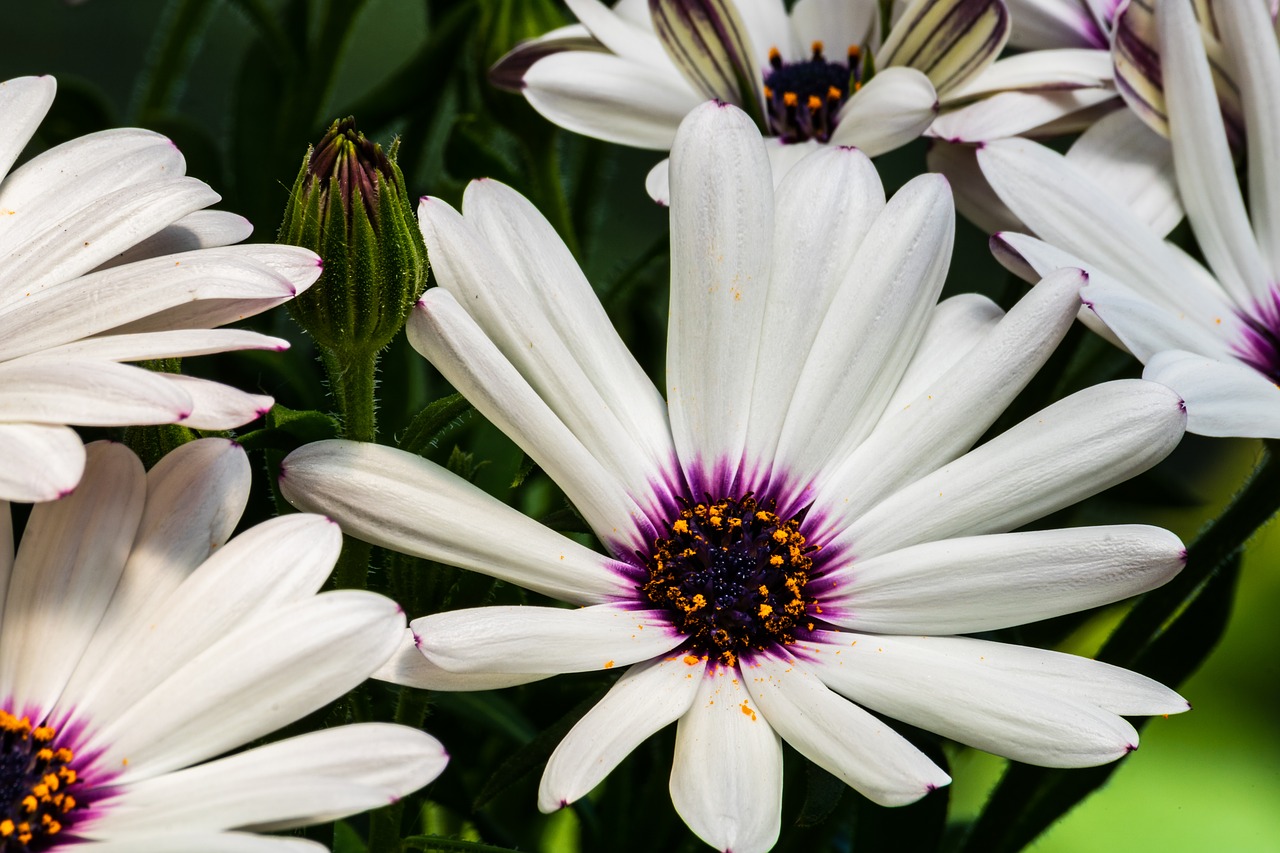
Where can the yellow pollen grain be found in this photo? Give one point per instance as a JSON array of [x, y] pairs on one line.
[[681, 526], [790, 99], [833, 93], [608, 664], [775, 560], [774, 53], [6, 827], [816, 47], [815, 103], [746, 709], [691, 660], [779, 536], [765, 610]]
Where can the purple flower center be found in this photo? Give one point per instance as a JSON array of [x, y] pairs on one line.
[[733, 576], [1260, 348], [803, 99], [36, 776]]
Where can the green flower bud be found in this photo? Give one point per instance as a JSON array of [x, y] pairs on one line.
[[350, 206]]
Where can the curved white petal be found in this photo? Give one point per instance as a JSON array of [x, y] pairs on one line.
[[70, 557], [657, 183], [202, 842], [204, 229], [1011, 113], [1147, 328], [1075, 448], [609, 98], [217, 406], [726, 779], [646, 698], [949, 414], [24, 101], [838, 736], [1044, 24], [895, 107], [975, 200], [1224, 398], [812, 255], [411, 667], [446, 335], [871, 330], [408, 504], [528, 245], [975, 704], [983, 583], [544, 639], [1134, 164], [175, 343], [316, 777], [277, 563], [265, 673], [1064, 68], [721, 246], [956, 325], [88, 393], [1206, 174], [39, 462], [1068, 209], [838, 24], [1250, 40], [623, 37]]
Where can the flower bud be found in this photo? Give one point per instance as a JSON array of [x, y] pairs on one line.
[[350, 206]]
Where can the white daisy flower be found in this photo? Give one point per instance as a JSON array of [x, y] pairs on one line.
[[630, 74], [1213, 337], [108, 256], [796, 535], [137, 643]]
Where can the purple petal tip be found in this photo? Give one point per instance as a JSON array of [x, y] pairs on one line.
[[1133, 747], [66, 493]]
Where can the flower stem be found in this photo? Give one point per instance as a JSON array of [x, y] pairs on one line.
[[352, 381]]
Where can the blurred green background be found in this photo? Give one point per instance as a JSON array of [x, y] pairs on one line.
[[1207, 780]]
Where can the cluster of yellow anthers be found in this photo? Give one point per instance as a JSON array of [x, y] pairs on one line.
[[40, 808], [735, 575]]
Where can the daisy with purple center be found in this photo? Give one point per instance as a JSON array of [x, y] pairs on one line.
[[138, 640], [797, 534], [1212, 336], [107, 256]]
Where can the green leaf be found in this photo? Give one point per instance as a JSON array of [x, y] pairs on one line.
[[347, 840], [431, 844], [431, 424], [288, 429]]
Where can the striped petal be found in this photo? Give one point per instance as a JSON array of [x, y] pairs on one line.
[[951, 41]]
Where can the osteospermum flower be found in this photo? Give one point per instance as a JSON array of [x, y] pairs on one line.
[[137, 642], [630, 74], [796, 535], [1214, 337], [107, 256]]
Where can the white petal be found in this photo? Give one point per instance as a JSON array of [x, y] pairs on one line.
[[317, 777], [544, 639], [721, 245], [1011, 113], [1206, 174], [621, 36], [1250, 40], [953, 411], [136, 298], [503, 263], [85, 237], [871, 330], [408, 504], [195, 496], [657, 183], [204, 229], [39, 462], [1075, 448], [88, 393], [838, 24], [956, 325], [812, 254], [895, 107], [218, 406], [1070, 68], [646, 698], [838, 736], [1134, 164], [202, 842], [975, 200], [270, 566], [726, 779], [177, 343], [262, 675], [530, 247], [970, 702], [24, 101], [609, 98], [983, 583], [71, 555], [1146, 328], [411, 667], [447, 336], [1068, 209], [1224, 398], [1040, 24]]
